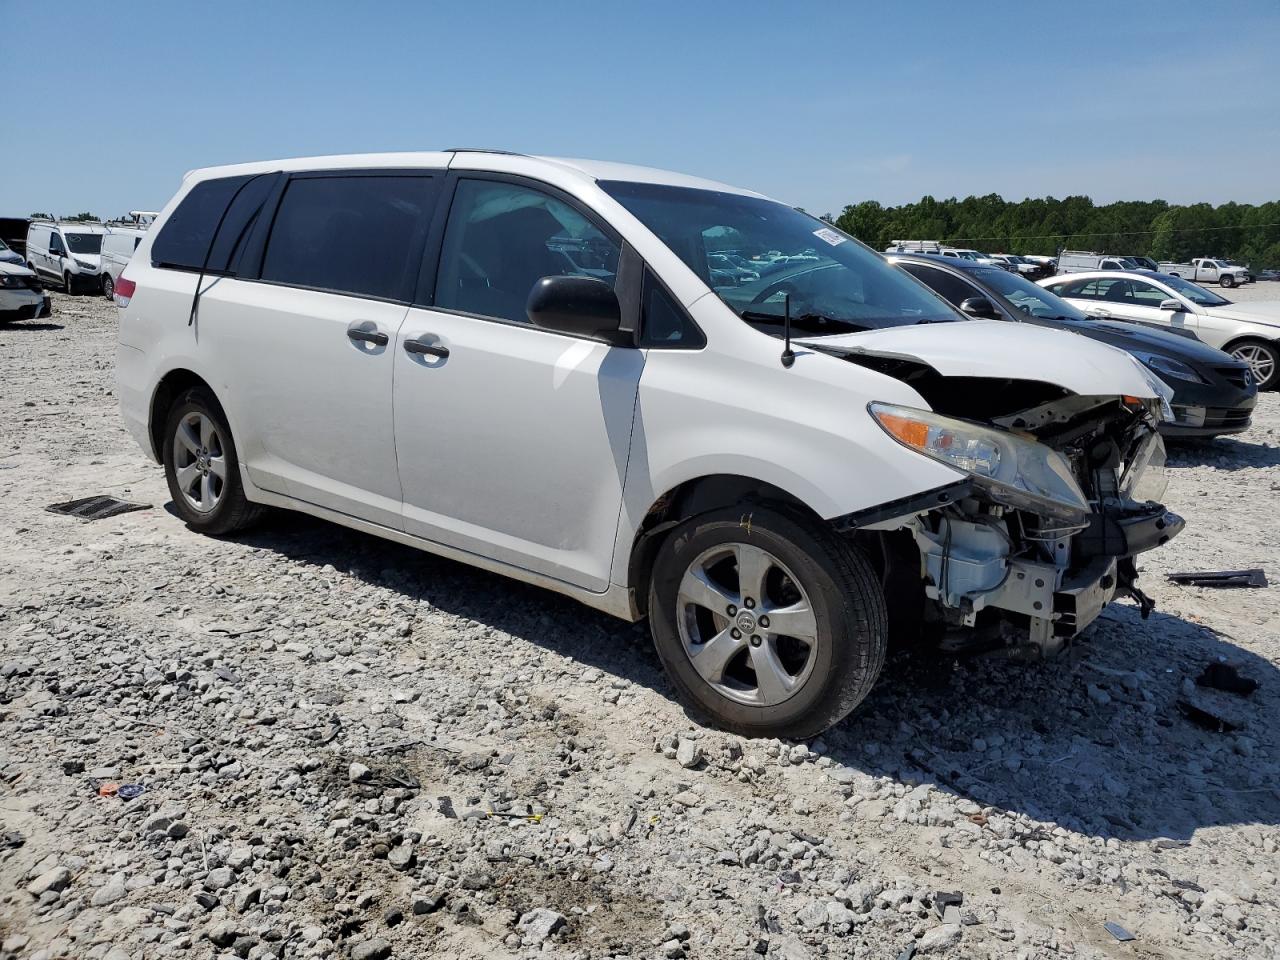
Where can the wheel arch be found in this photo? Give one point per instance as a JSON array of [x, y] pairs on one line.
[[171, 386], [687, 499]]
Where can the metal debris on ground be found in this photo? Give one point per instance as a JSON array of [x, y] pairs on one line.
[[1202, 717], [130, 791], [1220, 578], [942, 900], [1119, 932], [1226, 677], [96, 508]]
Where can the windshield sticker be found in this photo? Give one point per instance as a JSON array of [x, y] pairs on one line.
[[829, 235]]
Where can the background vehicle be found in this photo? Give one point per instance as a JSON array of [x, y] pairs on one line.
[[67, 252], [10, 256], [1212, 393], [21, 295], [1206, 270], [13, 231], [1247, 331], [119, 241], [933, 246], [1079, 261], [659, 446], [1023, 266]]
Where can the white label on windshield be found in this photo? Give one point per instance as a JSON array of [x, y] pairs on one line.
[[829, 235]]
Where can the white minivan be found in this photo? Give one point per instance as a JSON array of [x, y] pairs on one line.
[[530, 365], [118, 244], [68, 252]]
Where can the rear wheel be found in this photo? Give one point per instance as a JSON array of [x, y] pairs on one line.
[[1263, 359], [202, 469], [766, 621], [108, 286], [1226, 280]]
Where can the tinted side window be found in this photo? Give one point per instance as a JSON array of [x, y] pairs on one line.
[[952, 289], [238, 221], [350, 234], [183, 242], [663, 322], [1146, 294], [503, 238]]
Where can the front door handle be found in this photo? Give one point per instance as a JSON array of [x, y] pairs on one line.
[[429, 349], [377, 338]]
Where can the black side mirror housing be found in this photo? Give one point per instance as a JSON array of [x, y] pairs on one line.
[[1171, 304], [979, 307], [578, 306]]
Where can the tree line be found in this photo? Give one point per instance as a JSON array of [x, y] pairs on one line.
[[1241, 231]]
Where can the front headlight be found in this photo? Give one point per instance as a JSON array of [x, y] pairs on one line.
[[85, 266], [1012, 470], [9, 282], [1170, 367]]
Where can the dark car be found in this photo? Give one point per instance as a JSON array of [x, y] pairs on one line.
[[1213, 393]]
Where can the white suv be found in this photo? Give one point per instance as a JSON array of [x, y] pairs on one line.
[[531, 365]]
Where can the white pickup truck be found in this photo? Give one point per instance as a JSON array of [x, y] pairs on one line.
[[1207, 270]]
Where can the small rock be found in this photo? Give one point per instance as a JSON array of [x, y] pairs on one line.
[[219, 878], [428, 904], [1098, 695], [357, 773], [109, 892], [538, 924], [939, 939], [56, 879], [375, 949], [689, 754]]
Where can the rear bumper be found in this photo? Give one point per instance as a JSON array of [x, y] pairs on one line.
[[33, 308]]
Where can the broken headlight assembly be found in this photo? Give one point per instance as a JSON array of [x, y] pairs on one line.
[[1010, 469]]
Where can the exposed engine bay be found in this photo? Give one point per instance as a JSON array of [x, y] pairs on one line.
[[1061, 494]]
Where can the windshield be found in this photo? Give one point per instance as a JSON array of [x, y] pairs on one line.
[[756, 254], [1194, 293], [1027, 296], [84, 242]]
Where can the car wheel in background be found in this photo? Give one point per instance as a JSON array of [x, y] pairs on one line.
[[108, 287], [66, 284], [766, 620], [1263, 358], [1226, 280], [201, 466]]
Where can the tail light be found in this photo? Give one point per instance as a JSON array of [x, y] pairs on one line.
[[124, 290]]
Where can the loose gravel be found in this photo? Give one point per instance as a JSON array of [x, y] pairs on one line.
[[333, 746]]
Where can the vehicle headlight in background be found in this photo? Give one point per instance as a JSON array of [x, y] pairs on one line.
[[1014, 471], [1168, 366], [85, 266]]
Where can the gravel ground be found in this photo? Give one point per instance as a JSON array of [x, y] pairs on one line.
[[352, 749]]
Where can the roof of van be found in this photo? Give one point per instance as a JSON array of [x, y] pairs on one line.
[[475, 159]]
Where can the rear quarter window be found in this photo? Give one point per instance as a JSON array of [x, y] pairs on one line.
[[185, 239]]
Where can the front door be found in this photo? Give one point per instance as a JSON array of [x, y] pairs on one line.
[[512, 441], [307, 348]]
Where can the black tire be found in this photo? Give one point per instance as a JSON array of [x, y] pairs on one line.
[[1266, 348], [1226, 280], [844, 594], [67, 285], [232, 511], [108, 287]]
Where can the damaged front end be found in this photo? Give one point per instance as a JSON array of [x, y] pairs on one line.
[[1059, 494]]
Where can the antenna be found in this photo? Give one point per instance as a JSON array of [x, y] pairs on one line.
[[788, 355]]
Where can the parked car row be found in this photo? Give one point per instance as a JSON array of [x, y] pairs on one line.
[[84, 256], [781, 472]]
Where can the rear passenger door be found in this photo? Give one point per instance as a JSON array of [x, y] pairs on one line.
[[512, 441], [304, 335]]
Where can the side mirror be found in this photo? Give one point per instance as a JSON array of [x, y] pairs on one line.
[[580, 306], [1171, 304], [979, 307]]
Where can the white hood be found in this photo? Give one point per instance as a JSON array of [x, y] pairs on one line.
[[1255, 311], [998, 350]]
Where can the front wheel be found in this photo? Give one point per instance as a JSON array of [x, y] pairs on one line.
[[108, 287], [766, 620], [1263, 358], [67, 285], [1226, 280], [201, 466]]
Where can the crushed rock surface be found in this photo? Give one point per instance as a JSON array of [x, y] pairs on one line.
[[351, 749]]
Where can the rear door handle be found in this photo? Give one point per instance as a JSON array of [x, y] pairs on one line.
[[429, 349], [377, 338]]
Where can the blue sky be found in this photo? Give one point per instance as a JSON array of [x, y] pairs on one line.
[[817, 104]]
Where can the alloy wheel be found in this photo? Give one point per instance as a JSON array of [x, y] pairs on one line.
[[108, 287], [746, 624], [1261, 361], [199, 462]]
